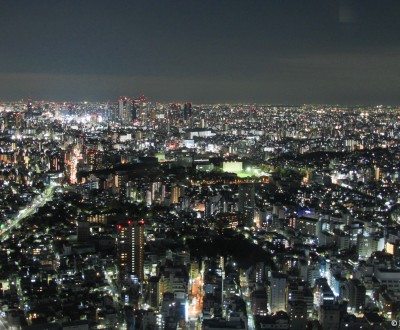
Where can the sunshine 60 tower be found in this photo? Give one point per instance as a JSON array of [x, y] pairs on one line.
[[126, 110], [130, 244]]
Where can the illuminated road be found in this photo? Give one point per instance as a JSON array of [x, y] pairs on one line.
[[250, 319], [244, 291], [113, 291], [196, 306], [15, 222], [29, 210]]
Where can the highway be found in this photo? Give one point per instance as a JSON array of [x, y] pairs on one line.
[[15, 222], [28, 210]]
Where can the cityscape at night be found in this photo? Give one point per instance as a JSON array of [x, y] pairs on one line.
[[200, 165], [136, 214]]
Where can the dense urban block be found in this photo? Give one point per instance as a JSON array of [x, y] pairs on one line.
[[135, 214]]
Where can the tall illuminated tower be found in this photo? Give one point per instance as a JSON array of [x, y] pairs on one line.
[[126, 110], [247, 203], [130, 241], [29, 107]]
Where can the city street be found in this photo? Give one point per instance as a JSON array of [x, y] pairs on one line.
[[196, 299], [29, 210], [246, 297]]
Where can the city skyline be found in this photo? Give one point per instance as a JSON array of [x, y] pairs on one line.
[[199, 165], [294, 52], [135, 214]]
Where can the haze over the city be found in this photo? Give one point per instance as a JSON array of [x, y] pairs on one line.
[[287, 52], [199, 165]]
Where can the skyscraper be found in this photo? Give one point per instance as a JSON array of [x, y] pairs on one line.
[[247, 203], [187, 111], [29, 107], [126, 110], [130, 241]]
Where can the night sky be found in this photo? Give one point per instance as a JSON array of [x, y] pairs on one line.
[[286, 52]]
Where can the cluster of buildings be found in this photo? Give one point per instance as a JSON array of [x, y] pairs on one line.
[[142, 215]]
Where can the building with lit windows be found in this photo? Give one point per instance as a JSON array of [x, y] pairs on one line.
[[277, 292], [329, 316], [130, 244], [176, 193], [307, 226], [356, 295], [187, 111], [247, 203], [126, 110], [297, 311], [154, 297], [259, 301]]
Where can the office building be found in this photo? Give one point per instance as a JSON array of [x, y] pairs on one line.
[[357, 293], [259, 302], [126, 110], [277, 292], [329, 317], [297, 311]]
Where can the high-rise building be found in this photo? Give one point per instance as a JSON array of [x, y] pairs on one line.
[[260, 272], [92, 159], [29, 107], [323, 294], [297, 311], [154, 292], [329, 317], [259, 302], [126, 110], [14, 120], [356, 292], [83, 231], [277, 292], [247, 203], [187, 111], [367, 244], [130, 242], [55, 162], [120, 183], [176, 193]]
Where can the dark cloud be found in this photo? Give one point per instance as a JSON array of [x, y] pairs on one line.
[[339, 51]]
